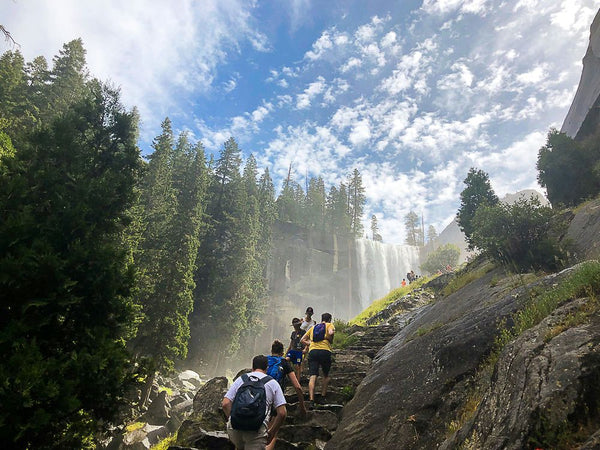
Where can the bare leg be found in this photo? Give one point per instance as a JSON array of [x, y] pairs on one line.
[[311, 387], [271, 445], [324, 383]]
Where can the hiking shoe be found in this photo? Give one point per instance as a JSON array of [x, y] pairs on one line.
[[309, 405]]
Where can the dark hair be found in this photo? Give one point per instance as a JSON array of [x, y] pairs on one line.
[[325, 317], [277, 347], [309, 310], [260, 362]]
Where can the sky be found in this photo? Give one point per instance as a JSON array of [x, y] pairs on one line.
[[412, 93]]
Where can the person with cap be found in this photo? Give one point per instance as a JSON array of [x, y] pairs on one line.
[[294, 352], [308, 321]]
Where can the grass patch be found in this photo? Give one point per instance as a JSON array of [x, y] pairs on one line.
[[384, 302], [467, 277], [426, 330], [168, 390], [165, 443], [134, 426], [583, 282], [342, 338]]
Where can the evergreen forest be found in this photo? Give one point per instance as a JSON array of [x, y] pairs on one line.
[[116, 265]]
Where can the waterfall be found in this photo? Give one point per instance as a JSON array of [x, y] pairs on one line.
[[381, 267]]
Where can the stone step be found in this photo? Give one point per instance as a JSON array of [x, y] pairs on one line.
[[304, 433], [319, 417]]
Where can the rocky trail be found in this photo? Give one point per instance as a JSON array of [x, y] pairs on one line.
[[204, 429], [200, 422]]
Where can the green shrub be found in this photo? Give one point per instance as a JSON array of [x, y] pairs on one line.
[[520, 235], [440, 258], [342, 339]]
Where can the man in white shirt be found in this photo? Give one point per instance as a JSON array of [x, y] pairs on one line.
[[257, 440]]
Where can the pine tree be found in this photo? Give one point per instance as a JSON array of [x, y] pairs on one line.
[[478, 191], [375, 229], [413, 229], [431, 234], [65, 290], [357, 200]]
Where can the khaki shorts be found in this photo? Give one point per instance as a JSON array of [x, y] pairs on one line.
[[248, 440]]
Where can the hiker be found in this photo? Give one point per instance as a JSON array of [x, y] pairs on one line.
[[319, 339], [295, 353], [308, 321], [278, 368], [403, 282], [248, 424]]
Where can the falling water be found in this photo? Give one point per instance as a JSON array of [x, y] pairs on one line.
[[381, 267]]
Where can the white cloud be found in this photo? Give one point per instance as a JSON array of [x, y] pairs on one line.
[[534, 76], [353, 62], [320, 46], [446, 6], [315, 88], [361, 133]]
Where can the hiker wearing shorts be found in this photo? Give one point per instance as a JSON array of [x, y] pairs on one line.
[[279, 374], [259, 439], [295, 352], [319, 355]]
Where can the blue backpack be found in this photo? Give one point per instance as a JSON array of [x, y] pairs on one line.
[[319, 332], [249, 407], [274, 369]]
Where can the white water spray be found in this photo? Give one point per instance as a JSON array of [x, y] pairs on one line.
[[381, 268]]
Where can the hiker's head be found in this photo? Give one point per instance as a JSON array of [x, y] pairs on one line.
[[276, 348], [309, 311], [325, 317], [260, 362], [296, 322]]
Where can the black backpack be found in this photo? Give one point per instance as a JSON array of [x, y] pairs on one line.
[[319, 332], [249, 407]]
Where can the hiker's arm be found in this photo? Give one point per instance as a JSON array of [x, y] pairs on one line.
[[276, 422], [306, 340], [298, 388], [329, 334], [226, 406]]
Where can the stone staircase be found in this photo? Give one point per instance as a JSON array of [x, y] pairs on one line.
[[312, 431], [349, 367]]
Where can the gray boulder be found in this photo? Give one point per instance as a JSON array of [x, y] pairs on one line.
[[207, 414]]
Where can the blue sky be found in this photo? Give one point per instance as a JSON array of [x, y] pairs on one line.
[[410, 92]]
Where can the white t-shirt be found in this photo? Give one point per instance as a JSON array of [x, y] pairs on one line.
[[275, 397], [306, 325]]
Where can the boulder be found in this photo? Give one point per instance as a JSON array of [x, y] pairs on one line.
[[545, 387], [207, 414], [191, 377], [159, 410]]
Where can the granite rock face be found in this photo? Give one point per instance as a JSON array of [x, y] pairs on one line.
[[584, 114], [419, 379]]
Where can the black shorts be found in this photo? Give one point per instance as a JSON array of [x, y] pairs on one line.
[[318, 358]]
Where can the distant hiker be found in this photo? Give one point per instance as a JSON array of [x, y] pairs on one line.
[[294, 352], [308, 321], [247, 405], [319, 339], [403, 282], [279, 368], [413, 276]]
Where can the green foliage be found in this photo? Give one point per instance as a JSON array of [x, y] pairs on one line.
[[569, 170], [356, 202], [465, 277], [414, 232], [65, 284], [519, 235], [382, 303], [584, 281], [478, 192], [440, 258], [342, 338], [426, 330], [348, 393]]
